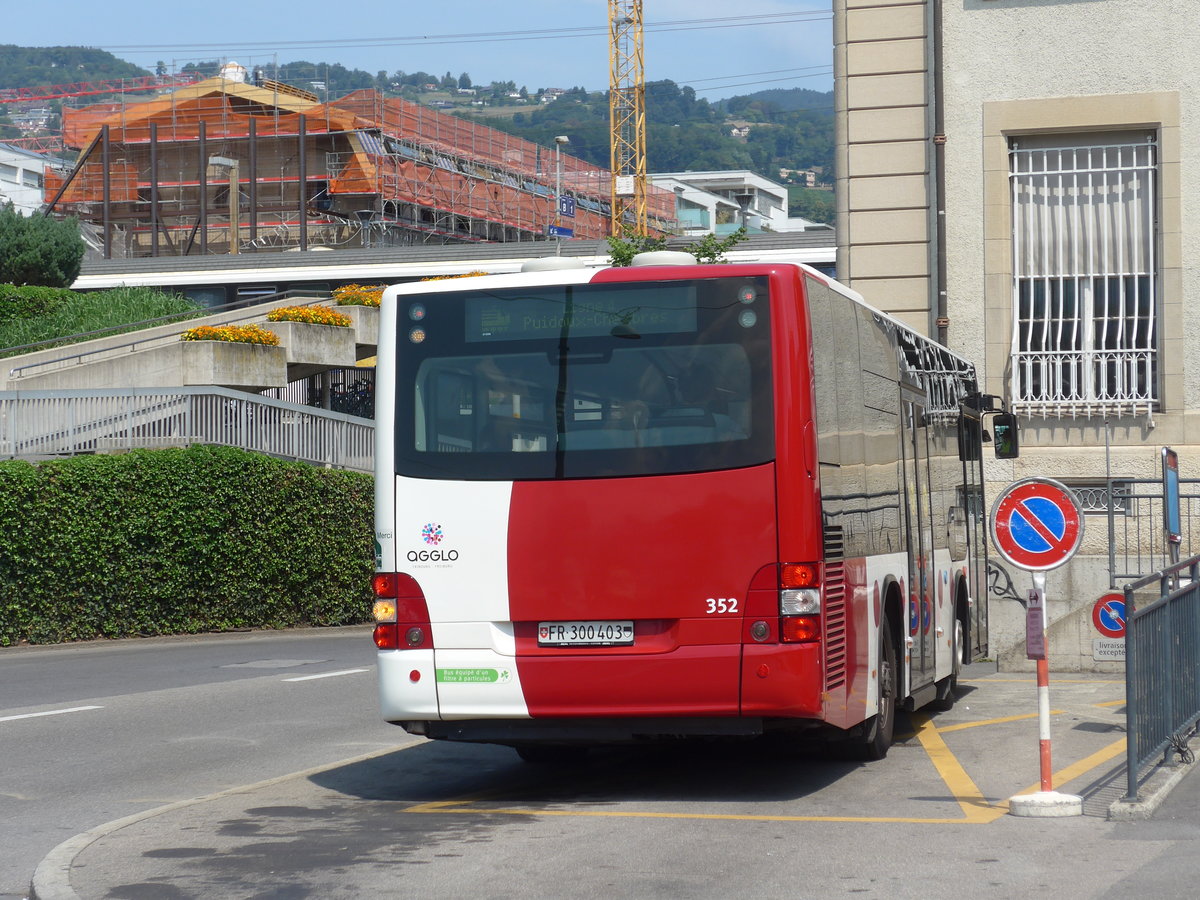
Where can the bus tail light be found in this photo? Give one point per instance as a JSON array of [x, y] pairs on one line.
[[400, 612], [799, 602]]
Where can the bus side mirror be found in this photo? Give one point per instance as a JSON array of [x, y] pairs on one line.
[[1007, 441]]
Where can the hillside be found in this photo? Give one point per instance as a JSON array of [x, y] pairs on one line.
[[36, 66], [776, 133]]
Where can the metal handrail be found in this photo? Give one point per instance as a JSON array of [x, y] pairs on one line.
[[1162, 655], [316, 296], [48, 423]]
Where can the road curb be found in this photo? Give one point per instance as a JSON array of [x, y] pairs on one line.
[[1151, 794], [52, 877]]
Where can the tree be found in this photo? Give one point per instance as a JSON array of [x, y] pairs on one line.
[[622, 250], [711, 249], [464, 80], [814, 205], [39, 250]]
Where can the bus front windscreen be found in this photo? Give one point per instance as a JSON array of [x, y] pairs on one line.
[[585, 381]]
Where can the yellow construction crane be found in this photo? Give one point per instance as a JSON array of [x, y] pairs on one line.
[[627, 117]]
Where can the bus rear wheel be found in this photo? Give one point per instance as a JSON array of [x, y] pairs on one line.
[[881, 728]]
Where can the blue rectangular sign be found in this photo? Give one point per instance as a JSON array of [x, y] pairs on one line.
[[566, 207], [559, 231]]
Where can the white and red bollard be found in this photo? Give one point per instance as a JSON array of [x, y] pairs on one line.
[[1047, 802]]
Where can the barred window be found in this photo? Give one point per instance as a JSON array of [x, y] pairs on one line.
[[1084, 275]]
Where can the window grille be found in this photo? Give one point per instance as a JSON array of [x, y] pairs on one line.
[[1093, 495], [1084, 278]]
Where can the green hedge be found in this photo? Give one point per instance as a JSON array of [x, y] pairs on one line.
[[30, 301], [180, 542]]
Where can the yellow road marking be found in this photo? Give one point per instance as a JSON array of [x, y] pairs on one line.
[[1053, 681], [1085, 765], [962, 726], [975, 807]]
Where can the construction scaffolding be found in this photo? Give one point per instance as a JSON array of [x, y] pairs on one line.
[[223, 166]]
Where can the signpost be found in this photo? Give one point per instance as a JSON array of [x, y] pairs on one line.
[[1174, 532], [1037, 525]]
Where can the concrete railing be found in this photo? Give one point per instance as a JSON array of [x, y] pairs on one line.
[[155, 357], [39, 424]]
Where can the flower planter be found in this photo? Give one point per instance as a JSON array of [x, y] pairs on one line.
[[366, 324], [314, 348], [230, 364]]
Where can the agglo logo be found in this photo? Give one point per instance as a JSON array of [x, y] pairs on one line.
[[432, 534]]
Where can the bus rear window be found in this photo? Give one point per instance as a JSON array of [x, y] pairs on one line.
[[587, 381]]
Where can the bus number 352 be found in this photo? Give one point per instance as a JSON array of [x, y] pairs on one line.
[[722, 605]]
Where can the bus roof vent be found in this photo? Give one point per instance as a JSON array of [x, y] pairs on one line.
[[664, 258], [549, 263]]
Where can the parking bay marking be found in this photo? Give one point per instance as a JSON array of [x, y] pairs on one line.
[[976, 808], [51, 712], [326, 675]]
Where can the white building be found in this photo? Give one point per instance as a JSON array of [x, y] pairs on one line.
[[21, 175], [720, 202]]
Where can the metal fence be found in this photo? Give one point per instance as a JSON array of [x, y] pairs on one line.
[[1134, 506], [1162, 666], [67, 422]]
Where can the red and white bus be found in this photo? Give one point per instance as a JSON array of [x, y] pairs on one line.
[[669, 500]]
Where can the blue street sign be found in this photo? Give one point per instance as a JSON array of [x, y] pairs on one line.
[[560, 232], [566, 207]]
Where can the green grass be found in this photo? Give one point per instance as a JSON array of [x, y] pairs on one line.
[[75, 314]]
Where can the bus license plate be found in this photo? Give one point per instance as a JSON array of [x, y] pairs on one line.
[[585, 634]]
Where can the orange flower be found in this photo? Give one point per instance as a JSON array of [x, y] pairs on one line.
[[444, 277], [358, 295], [310, 315], [237, 334]]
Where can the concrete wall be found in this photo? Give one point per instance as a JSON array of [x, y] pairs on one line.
[[155, 357], [1013, 68], [883, 164]]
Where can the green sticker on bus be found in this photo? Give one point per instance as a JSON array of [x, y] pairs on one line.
[[473, 676]]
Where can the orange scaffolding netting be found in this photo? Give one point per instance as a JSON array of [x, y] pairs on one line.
[[361, 163]]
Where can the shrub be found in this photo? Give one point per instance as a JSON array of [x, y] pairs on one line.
[[180, 541], [30, 301], [358, 295], [39, 250], [237, 334], [310, 315], [33, 314]]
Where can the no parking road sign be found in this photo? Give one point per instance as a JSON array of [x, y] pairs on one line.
[[1037, 524], [1108, 615]]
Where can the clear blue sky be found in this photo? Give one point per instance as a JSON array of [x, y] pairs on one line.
[[718, 47]]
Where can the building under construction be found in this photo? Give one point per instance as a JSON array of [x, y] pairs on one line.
[[226, 166]]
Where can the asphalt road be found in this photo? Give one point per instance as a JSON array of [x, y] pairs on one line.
[[94, 732], [112, 737]]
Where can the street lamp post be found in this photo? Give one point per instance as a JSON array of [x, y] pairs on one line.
[[558, 143]]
